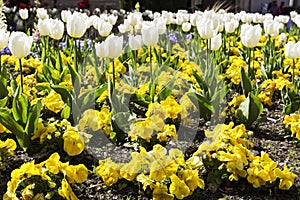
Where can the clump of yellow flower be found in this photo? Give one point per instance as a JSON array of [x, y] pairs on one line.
[[293, 123], [166, 173], [53, 101], [96, 120], [7, 148], [49, 171]]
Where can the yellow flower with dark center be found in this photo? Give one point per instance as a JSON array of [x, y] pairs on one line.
[[66, 191], [160, 192], [76, 173], [108, 171], [178, 187], [191, 179], [54, 102], [73, 143], [171, 107], [286, 178]]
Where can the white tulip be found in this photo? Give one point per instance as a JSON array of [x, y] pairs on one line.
[[206, 29], [149, 34], [104, 28], [135, 42], [56, 29], [250, 35], [76, 25], [112, 19], [101, 50], [282, 38], [41, 13], [114, 46], [4, 38], [216, 42], [65, 15], [161, 25], [231, 26], [186, 26], [43, 27], [292, 50], [271, 27], [23, 13], [19, 44]]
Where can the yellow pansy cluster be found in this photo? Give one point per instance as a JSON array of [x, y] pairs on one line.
[[292, 122], [154, 125], [229, 145], [27, 64], [96, 120], [164, 172], [234, 104], [269, 86], [53, 101], [54, 176], [7, 148], [233, 71], [264, 170], [73, 141]]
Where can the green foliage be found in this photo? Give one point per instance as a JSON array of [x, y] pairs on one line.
[[291, 99]]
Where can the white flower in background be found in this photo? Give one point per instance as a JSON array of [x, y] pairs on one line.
[[65, 15], [149, 34], [250, 35], [231, 26], [125, 27], [20, 44], [135, 42], [160, 23], [206, 29], [292, 50], [135, 18], [282, 38], [271, 27], [282, 18], [112, 19], [216, 42], [293, 14], [94, 21], [4, 38], [76, 25], [23, 13], [101, 50], [168, 16], [56, 29], [186, 26], [43, 27], [104, 28], [41, 13], [114, 46], [194, 18]]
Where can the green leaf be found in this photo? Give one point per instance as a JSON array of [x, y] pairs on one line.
[[66, 112], [3, 102], [76, 82], [166, 91], [250, 109], [246, 82], [204, 105], [20, 107], [7, 120], [33, 119]]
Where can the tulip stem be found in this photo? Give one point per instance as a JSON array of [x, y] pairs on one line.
[[293, 71], [75, 58], [113, 71], [151, 78], [21, 74]]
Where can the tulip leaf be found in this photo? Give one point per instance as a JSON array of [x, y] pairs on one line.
[[203, 104], [250, 109], [33, 118], [245, 82], [7, 120], [20, 107], [3, 102], [166, 91], [88, 98], [76, 82], [66, 112]]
